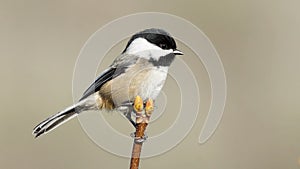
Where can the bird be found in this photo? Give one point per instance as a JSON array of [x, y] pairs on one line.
[[140, 70]]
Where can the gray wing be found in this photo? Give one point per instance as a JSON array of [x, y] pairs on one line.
[[118, 67]]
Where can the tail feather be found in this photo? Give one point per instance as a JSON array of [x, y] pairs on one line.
[[54, 121], [60, 118]]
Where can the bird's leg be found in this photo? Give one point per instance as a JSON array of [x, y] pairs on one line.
[[127, 109], [129, 117]]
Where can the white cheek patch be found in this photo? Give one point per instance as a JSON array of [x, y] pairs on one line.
[[142, 48]]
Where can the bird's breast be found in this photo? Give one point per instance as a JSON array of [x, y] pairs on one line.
[[146, 81], [152, 84]]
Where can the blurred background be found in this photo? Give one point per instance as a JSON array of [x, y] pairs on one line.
[[258, 42]]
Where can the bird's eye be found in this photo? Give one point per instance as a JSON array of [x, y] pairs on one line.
[[163, 46]]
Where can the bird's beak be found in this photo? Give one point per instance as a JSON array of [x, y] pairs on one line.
[[177, 52]]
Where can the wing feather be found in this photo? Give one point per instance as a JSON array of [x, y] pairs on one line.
[[118, 67], [100, 80]]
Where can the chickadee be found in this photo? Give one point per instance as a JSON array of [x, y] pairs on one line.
[[141, 70]]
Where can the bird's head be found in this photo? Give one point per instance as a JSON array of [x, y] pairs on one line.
[[153, 44]]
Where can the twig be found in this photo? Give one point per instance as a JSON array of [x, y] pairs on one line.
[[142, 120]]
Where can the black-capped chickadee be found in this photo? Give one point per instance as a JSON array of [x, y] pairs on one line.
[[140, 70]]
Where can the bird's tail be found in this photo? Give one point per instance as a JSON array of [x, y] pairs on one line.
[[55, 121]]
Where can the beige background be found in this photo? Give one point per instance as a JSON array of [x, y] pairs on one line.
[[258, 42]]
